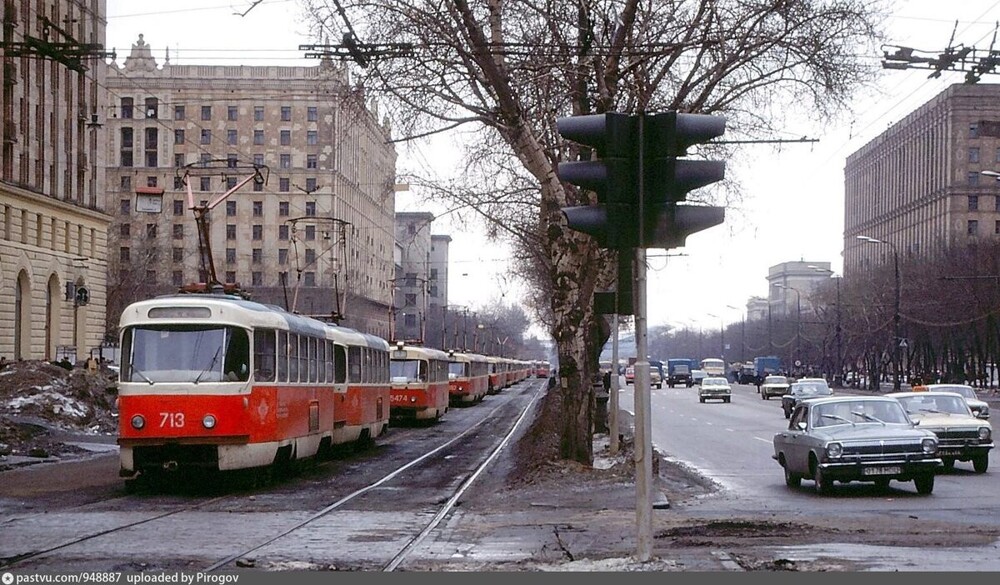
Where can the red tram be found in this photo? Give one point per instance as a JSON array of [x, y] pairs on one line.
[[419, 378], [468, 377], [217, 382]]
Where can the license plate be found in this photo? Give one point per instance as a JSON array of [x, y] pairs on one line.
[[949, 452], [884, 470]]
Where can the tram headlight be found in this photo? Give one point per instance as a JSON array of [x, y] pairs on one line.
[[208, 421], [138, 422]]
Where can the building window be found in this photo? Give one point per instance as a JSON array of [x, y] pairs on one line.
[[312, 113], [285, 161], [311, 208], [230, 208], [257, 256], [230, 277], [232, 113], [231, 137], [434, 290], [178, 254], [150, 231], [283, 232], [312, 137], [205, 158], [179, 136], [178, 112], [206, 112], [286, 137], [178, 207], [231, 231], [232, 159], [178, 277], [283, 208], [152, 107], [205, 183], [996, 203], [178, 162], [309, 279], [282, 255], [973, 130], [257, 231], [973, 178], [973, 202], [974, 155], [124, 255], [178, 182], [286, 113], [996, 227], [127, 104], [310, 187], [152, 137], [125, 207], [258, 208], [409, 320], [258, 137], [972, 227], [126, 146], [178, 231], [312, 161], [310, 232], [258, 186], [258, 159], [206, 136], [258, 113], [310, 256], [434, 273], [230, 255], [126, 183], [257, 278], [283, 184], [125, 231], [410, 299]]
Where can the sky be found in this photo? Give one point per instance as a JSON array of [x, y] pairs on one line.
[[793, 195]]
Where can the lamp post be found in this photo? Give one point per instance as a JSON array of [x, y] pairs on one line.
[[898, 340], [798, 315]]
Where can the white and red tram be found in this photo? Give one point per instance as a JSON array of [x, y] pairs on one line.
[[217, 382], [468, 377], [419, 378]]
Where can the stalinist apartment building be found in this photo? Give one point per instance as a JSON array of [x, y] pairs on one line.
[[919, 185], [53, 224], [312, 226]]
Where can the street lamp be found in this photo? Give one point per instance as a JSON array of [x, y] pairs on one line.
[[798, 315], [897, 366]]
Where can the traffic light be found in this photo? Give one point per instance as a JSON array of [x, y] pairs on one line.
[[667, 177], [611, 173]]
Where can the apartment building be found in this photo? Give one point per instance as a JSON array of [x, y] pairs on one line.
[[293, 170], [919, 188], [53, 224]]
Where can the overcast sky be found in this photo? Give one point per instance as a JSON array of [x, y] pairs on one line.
[[794, 205]]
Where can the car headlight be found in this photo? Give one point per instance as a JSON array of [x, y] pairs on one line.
[[984, 433], [138, 422], [984, 411], [208, 421], [929, 446], [834, 450]]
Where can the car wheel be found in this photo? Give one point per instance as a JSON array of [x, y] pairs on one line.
[[701, 399], [824, 484], [949, 464], [726, 400], [882, 483], [924, 483], [980, 463], [659, 386], [791, 479], [788, 413]]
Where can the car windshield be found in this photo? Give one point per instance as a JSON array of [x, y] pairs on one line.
[[713, 382], [855, 412], [776, 380], [940, 404], [812, 389], [965, 391]]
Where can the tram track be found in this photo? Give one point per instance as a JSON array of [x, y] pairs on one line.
[[386, 476]]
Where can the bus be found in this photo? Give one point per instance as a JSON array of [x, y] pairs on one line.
[[714, 367]]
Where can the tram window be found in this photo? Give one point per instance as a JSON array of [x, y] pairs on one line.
[[313, 359], [328, 362], [303, 358], [339, 364], [263, 355], [282, 356], [237, 361], [354, 364], [321, 361], [293, 357]]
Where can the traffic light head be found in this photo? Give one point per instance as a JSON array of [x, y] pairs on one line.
[[609, 171]]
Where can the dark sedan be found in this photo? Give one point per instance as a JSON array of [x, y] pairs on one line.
[[802, 389], [856, 438]]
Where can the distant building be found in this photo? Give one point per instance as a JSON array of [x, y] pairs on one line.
[[316, 237], [918, 185], [792, 285], [53, 221]]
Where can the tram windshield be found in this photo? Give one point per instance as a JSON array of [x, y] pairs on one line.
[[408, 371], [458, 370], [191, 354]]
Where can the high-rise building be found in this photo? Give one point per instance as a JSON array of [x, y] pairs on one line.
[[53, 224], [919, 187], [291, 165]]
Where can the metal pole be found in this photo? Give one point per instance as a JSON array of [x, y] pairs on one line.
[[613, 415], [897, 364], [643, 418]]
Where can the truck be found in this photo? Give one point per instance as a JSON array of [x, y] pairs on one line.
[[679, 371], [764, 366]]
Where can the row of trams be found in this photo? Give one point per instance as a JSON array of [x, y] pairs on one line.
[[215, 382]]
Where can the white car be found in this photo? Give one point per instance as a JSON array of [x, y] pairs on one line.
[[978, 407], [774, 386], [715, 388]]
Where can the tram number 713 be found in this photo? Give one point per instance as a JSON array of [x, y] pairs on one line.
[[171, 420]]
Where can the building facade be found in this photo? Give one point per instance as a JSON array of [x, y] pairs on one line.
[[792, 285], [410, 309], [919, 186], [53, 224], [292, 168]]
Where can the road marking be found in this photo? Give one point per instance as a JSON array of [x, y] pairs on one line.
[[765, 440]]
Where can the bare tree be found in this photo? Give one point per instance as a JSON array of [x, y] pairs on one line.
[[506, 69]]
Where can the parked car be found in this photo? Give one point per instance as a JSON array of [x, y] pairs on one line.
[[961, 435], [714, 388], [802, 389], [855, 438], [977, 406], [774, 386]]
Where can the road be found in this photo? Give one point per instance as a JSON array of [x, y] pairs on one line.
[[731, 444]]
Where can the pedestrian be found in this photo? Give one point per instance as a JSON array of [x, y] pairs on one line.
[[607, 380]]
